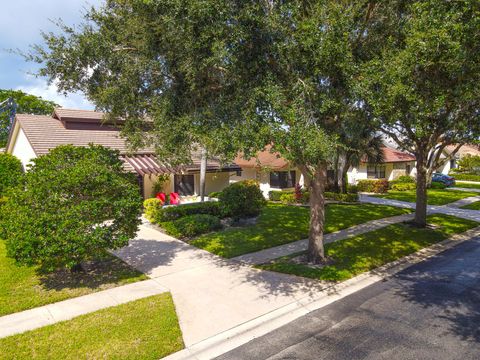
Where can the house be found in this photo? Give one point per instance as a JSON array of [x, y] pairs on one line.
[[467, 149], [275, 173], [35, 135]]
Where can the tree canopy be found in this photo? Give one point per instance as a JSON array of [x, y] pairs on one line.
[[11, 172], [27, 104]]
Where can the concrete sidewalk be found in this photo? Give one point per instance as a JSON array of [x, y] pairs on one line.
[[68, 309], [212, 295], [266, 255]]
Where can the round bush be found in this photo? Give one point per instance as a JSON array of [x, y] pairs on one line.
[[152, 207], [11, 172], [242, 199], [77, 203]]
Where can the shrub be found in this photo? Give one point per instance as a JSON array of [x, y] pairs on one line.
[[11, 172], [152, 208], [171, 213], [289, 198], [214, 194], [191, 225], [403, 186], [405, 179], [341, 197], [77, 203], [242, 199], [469, 164], [274, 195], [352, 189], [437, 185], [375, 186], [466, 177]]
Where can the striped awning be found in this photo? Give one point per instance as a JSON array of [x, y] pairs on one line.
[[145, 164]]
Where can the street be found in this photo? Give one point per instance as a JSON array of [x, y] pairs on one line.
[[428, 311]]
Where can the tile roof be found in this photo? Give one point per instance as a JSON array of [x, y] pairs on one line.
[[265, 159], [464, 150], [82, 127], [391, 155]]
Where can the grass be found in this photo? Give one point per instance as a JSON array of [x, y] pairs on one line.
[[23, 287], [368, 251], [467, 185], [435, 196], [142, 329], [280, 224], [472, 206]]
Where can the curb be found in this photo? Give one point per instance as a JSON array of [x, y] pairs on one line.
[[241, 334]]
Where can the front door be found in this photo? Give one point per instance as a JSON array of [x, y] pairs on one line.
[[184, 184]]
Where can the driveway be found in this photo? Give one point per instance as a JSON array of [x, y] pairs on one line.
[[428, 311]]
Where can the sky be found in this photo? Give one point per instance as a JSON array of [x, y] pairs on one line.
[[20, 24]]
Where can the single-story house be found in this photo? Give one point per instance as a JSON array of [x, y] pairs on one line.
[[35, 135], [275, 173]]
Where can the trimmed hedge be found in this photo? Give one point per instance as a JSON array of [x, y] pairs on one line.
[[191, 225], [275, 195], [170, 213], [341, 197], [373, 186], [242, 199], [403, 186], [465, 177]]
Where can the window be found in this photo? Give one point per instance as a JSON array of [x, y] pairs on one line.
[[376, 171], [453, 164], [184, 184], [399, 166], [282, 179]]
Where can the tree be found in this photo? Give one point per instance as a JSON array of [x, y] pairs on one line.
[[231, 76], [423, 86], [11, 172], [77, 203], [26, 104]]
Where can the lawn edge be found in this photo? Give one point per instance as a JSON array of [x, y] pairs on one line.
[[239, 335]]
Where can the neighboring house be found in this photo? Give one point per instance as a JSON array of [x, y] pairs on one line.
[[35, 135], [275, 173], [464, 150]]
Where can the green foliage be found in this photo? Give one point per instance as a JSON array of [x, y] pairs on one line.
[[11, 172], [436, 185], [402, 186], [405, 179], [26, 104], [242, 199], [349, 198], [152, 207], [275, 195], [435, 196], [288, 198], [174, 212], [191, 225], [352, 189], [77, 202], [159, 183], [373, 186], [466, 177], [469, 164], [214, 194]]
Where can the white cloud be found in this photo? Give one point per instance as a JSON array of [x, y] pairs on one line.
[[39, 87]]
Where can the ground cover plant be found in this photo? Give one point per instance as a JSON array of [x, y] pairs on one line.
[[368, 251], [143, 329], [280, 224]]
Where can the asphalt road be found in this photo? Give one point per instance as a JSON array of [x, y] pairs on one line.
[[428, 311]]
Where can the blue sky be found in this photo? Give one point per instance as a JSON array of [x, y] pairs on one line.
[[20, 24]]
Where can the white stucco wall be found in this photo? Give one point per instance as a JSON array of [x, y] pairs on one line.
[[21, 147], [360, 173]]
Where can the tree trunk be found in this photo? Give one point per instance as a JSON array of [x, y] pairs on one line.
[[203, 172], [421, 202], [344, 186], [337, 171], [316, 252]]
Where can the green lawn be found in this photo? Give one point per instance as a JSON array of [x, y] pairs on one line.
[[467, 185], [142, 329], [435, 196], [23, 287], [371, 250], [472, 206], [280, 224]]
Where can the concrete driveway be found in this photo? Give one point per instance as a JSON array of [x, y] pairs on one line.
[[429, 311]]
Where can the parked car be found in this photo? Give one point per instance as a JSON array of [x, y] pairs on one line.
[[444, 179]]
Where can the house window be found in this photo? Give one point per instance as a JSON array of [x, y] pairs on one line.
[[282, 179], [408, 169], [453, 164], [184, 184], [399, 166], [376, 171]]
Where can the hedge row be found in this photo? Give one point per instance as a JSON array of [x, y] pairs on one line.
[[373, 186], [288, 197], [155, 213], [191, 225], [466, 177]]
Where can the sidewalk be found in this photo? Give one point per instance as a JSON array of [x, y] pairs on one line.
[[68, 309], [266, 255]]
